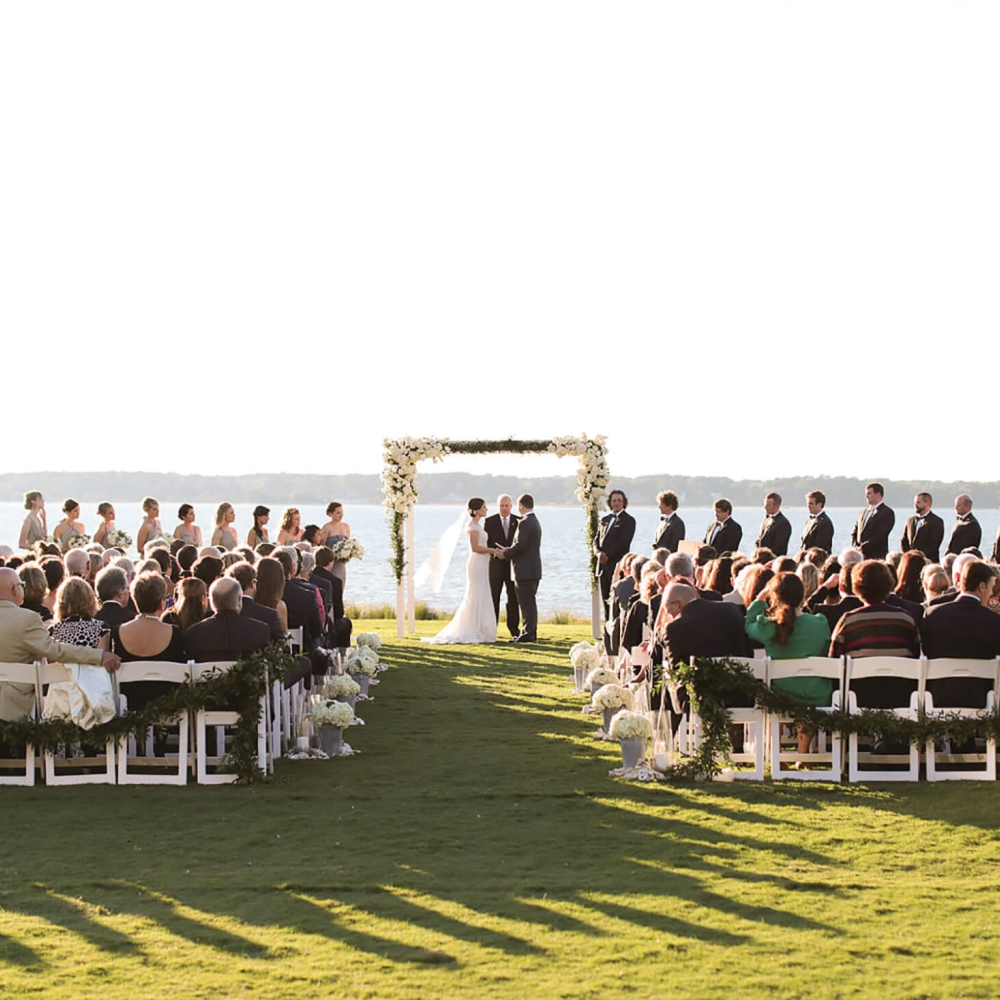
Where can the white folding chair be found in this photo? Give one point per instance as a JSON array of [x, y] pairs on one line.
[[754, 722], [205, 718], [175, 771], [831, 668], [884, 667], [101, 765], [25, 675], [949, 669]]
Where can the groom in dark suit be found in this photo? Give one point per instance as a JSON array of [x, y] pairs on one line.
[[500, 530], [526, 559]]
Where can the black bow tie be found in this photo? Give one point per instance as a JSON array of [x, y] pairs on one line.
[[965, 518]]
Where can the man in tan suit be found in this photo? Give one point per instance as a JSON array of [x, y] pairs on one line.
[[24, 639]]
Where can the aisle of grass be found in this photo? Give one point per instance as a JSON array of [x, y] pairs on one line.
[[476, 848]]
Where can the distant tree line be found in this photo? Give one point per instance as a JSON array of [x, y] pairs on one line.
[[457, 487]]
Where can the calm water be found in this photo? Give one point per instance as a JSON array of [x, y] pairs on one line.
[[565, 584]]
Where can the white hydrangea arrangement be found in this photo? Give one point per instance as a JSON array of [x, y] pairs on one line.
[[363, 660], [371, 639], [332, 713], [587, 655], [78, 542], [117, 540], [612, 696], [340, 686], [600, 675], [628, 725], [347, 549]]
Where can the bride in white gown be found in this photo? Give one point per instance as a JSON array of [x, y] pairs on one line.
[[474, 620]]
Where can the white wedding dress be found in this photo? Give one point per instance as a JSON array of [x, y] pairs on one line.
[[474, 620]]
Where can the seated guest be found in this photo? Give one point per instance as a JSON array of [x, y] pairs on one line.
[[207, 569], [784, 564], [786, 633], [77, 563], [809, 575], [908, 576], [227, 635], [187, 556], [833, 612], [245, 575], [35, 588], [24, 639], [934, 581], [953, 566], [339, 626], [876, 629], [54, 572], [637, 613], [305, 606], [247, 554], [967, 629], [763, 556], [270, 586], [719, 575], [230, 559], [265, 549], [191, 606], [76, 607], [113, 593], [699, 628], [147, 637]]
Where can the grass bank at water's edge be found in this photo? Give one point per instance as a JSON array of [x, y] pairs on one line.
[[476, 847]]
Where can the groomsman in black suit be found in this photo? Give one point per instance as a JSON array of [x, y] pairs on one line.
[[871, 533], [669, 531], [775, 529], [924, 531], [724, 534], [614, 539], [967, 532], [818, 530], [500, 535]]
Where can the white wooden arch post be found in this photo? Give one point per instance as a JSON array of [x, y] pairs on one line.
[[399, 487]]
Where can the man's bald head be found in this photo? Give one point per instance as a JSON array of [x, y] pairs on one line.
[[10, 586], [677, 597]]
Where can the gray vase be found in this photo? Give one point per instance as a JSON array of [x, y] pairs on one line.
[[609, 714], [594, 688], [331, 740], [632, 751], [349, 698], [578, 678], [363, 681]]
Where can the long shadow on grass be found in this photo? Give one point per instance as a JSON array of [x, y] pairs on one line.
[[13, 952]]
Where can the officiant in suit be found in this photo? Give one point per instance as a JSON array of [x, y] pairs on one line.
[[669, 531], [871, 532], [614, 539], [500, 530], [775, 529], [525, 556], [967, 533], [924, 530]]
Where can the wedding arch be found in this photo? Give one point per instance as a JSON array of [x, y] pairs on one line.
[[399, 484]]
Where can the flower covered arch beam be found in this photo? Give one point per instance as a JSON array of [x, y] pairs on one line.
[[399, 485]]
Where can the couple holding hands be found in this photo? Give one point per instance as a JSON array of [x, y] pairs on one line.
[[501, 547]]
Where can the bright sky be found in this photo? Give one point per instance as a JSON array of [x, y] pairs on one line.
[[743, 239]]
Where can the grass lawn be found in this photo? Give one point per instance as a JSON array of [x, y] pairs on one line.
[[476, 848]]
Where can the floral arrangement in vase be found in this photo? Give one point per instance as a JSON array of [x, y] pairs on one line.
[[332, 713], [587, 655], [363, 660], [599, 676], [629, 725], [612, 696], [340, 686], [370, 639]]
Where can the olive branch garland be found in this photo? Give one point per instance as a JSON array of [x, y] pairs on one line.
[[713, 685], [238, 689]]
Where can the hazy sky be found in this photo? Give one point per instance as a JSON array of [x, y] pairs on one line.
[[746, 239]]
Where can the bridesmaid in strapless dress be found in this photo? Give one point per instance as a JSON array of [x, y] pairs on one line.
[[332, 532], [69, 525], [187, 531], [291, 527]]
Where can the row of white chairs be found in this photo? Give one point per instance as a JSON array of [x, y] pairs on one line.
[[118, 761], [763, 732]]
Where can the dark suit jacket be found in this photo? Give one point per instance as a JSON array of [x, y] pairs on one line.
[[336, 585], [303, 611], [775, 535], [225, 636], [706, 628], [325, 590], [818, 533], [926, 539], [728, 539], [525, 554], [914, 610], [967, 534], [614, 539], [834, 612], [493, 526], [113, 614], [873, 538], [967, 630], [251, 609], [669, 534]]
